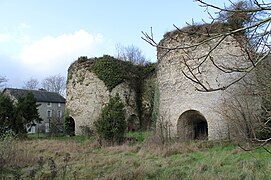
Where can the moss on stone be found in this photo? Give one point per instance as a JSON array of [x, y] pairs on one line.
[[110, 70], [113, 71]]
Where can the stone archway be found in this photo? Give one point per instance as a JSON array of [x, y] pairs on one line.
[[192, 125], [71, 127], [133, 123]]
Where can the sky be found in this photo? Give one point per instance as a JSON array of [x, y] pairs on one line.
[[41, 38]]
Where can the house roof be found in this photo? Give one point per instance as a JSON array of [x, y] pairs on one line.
[[40, 95]]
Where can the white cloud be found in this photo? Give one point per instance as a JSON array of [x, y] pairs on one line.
[[24, 39], [4, 37], [23, 26], [54, 54]]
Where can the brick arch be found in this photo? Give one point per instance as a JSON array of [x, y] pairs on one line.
[[192, 125]]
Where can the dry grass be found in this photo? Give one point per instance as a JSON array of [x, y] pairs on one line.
[[148, 160], [199, 30]]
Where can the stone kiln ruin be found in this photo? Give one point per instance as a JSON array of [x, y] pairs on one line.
[[188, 113], [175, 104], [87, 94]]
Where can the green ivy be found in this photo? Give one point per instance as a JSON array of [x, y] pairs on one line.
[[113, 71], [148, 69]]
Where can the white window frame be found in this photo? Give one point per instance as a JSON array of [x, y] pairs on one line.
[[47, 127], [32, 129], [59, 113], [59, 104]]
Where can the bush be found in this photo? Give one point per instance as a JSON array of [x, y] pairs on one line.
[[17, 117], [86, 131], [56, 127], [111, 124]]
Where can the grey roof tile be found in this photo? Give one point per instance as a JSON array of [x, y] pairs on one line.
[[40, 95]]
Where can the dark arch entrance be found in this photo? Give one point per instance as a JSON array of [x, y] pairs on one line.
[[133, 123], [70, 127], [192, 125]]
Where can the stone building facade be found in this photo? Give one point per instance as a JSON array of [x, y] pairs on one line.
[[51, 108]]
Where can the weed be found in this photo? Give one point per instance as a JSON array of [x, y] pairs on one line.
[[66, 159], [69, 159], [31, 173], [75, 175], [139, 136], [41, 162], [53, 169]]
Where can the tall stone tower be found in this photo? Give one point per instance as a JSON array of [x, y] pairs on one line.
[[189, 113]]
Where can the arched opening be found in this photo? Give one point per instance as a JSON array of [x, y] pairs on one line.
[[133, 123], [70, 127], [192, 125]]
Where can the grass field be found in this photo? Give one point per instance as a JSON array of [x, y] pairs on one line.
[[81, 158]]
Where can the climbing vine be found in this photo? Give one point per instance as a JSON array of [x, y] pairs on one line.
[[113, 72], [110, 70]]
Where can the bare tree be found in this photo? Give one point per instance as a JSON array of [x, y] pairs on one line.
[[31, 84], [3, 80], [55, 83], [130, 53], [249, 23]]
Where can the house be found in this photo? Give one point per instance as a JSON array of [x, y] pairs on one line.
[[51, 107]]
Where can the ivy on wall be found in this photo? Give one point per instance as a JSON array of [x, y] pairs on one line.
[[110, 70], [113, 71]]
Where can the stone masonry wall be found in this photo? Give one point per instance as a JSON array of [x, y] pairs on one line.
[[87, 95], [178, 93]]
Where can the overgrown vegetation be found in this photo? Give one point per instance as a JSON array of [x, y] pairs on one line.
[[113, 71], [17, 117], [111, 125], [235, 17], [147, 159]]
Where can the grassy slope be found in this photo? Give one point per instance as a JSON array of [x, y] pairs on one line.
[[147, 160]]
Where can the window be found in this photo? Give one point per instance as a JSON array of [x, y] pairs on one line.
[[59, 105], [59, 114], [49, 113], [32, 129], [49, 104]]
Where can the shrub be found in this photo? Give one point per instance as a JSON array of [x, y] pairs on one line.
[[86, 131], [17, 117], [111, 124], [56, 127]]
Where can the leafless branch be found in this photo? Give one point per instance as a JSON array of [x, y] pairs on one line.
[[262, 145], [255, 43]]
